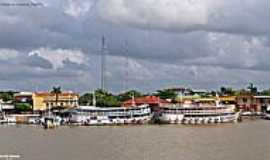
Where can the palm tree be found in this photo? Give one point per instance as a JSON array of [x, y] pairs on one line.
[[56, 90], [252, 88]]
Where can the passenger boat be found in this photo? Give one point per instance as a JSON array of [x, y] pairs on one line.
[[91, 115], [195, 114]]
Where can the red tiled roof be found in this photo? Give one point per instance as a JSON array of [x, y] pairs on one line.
[[146, 100]]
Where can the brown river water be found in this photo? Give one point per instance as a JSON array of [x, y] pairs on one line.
[[249, 140]]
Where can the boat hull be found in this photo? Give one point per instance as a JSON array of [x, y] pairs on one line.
[[110, 121], [183, 119]]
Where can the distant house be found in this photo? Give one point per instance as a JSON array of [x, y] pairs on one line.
[[23, 97], [262, 102], [24, 101]]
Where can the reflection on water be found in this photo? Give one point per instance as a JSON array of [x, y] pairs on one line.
[[242, 141]]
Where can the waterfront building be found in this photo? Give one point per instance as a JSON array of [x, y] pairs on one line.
[[262, 102], [251, 103], [44, 100], [247, 103]]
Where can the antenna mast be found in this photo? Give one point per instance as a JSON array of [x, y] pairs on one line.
[[103, 61], [126, 73]]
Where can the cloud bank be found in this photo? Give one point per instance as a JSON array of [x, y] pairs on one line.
[[150, 44]]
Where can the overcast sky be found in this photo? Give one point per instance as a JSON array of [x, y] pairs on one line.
[[151, 44]]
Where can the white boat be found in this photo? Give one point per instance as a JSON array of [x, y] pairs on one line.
[[195, 114], [91, 115]]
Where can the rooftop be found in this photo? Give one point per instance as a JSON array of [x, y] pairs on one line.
[[146, 100], [52, 94]]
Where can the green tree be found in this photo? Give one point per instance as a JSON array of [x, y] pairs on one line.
[[7, 96], [86, 99], [56, 90], [23, 106], [166, 94], [103, 99], [253, 90], [128, 95], [266, 92], [227, 91], [106, 99]]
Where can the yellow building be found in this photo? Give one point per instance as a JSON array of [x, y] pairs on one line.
[[45, 100]]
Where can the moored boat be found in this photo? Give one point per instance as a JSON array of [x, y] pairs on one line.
[[198, 114], [91, 115]]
